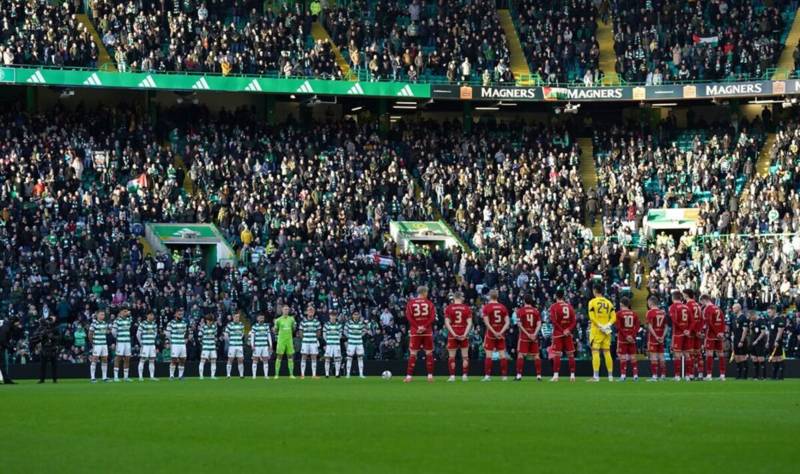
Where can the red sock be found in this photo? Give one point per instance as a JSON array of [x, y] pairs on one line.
[[451, 364], [663, 364], [556, 365], [465, 366], [429, 363], [710, 364], [635, 367], [700, 365], [623, 367], [654, 368], [503, 367], [487, 366], [412, 362], [538, 363], [571, 365], [722, 366], [676, 367], [690, 366], [520, 365]]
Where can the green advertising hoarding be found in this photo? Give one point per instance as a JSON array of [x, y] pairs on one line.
[[189, 82]]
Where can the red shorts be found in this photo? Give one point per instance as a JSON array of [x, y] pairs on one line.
[[681, 343], [713, 344], [698, 341], [526, 346], [624, 348], [492, 344], [655, 347], [453, 343], [563, 344], [421, 342]]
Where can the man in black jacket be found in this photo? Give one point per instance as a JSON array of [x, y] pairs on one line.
[[10, 329], [48, 339]]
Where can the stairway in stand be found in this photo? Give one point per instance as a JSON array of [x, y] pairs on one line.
[[519, 65], [608, 57]]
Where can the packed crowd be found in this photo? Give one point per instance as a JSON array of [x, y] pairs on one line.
[[558, 38], [44, 33], [218, 37], [675, 40]]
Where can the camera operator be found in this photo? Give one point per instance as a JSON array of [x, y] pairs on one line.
[[48, 339], [10, 329]]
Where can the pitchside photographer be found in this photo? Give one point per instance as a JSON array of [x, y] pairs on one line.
[[47, 339], [10, 330]]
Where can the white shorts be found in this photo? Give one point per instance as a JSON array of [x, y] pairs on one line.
[[209, 355], [309, 348], [148, 352], [100, 351], [333, 350], [178, 351], [124, 349], [353, 349], [262, 352], [235, 351]]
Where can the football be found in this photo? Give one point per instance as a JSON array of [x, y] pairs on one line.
[[386, 375]]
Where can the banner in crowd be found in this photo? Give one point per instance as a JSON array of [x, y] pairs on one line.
[[195, 82]]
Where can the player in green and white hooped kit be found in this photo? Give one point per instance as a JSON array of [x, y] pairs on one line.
[[147, 341], [310, 346], [234, 334], [176, 332], [122, 331], [208, 334], [261, 343], [355, 343], [97, 334], [284, 330], [333, 347]]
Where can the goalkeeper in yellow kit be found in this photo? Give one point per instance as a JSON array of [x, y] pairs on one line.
[[602, 317]]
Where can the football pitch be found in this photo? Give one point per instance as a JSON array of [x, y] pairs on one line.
[[379, 426]]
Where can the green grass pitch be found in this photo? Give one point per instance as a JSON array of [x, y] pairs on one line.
[[378, 426]]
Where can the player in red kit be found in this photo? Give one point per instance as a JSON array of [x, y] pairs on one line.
[[495, 317], [681, 336], [529, 322], [627, 328], [562, 317], [458, 322], [696, 329], [715, 336], [656, 332], [420, 314]]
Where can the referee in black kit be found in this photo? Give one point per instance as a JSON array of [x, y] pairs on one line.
[[10, 329], [48, 340]]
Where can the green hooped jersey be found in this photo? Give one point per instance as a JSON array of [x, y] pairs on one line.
[[355, 332], [235, 333], [99, 330], [333, 333], [310, 328], [147, 333], [122, 328], [177, 332], [209, 333], [259, 333], [284, 327]]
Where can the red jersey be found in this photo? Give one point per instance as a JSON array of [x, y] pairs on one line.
[[459, 316], [529, 319], [562, 316], [696, 316], [627, 324], [657, 320], [421, 314], [496, 314], [681, 320], [714, 320]]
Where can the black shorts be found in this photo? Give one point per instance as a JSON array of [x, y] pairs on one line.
[[758, 350], [739, 351], [776, 350]]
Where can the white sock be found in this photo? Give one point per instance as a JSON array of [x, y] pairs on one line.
[[116, 373], [104, 367], [92, 369], [338, 363], [241, 369], [349, 365], [302, 366], [597, 375], [213, 367], [141, 368], [180, 371], [327, 367], [266, 369], [200, 368], [126, 372], [228, 369], [152, 369], [171, 370], [361, 366], [255, 369], [313, 368]]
